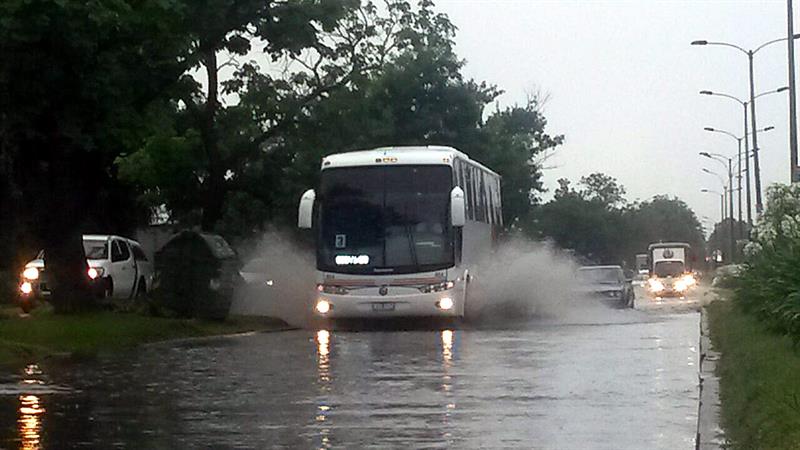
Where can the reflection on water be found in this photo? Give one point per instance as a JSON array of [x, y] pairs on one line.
[[323, 362], [324, 377], [545, 387], [447, 346], [30, 422]]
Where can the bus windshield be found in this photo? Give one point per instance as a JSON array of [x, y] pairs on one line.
[[385, 220], [668, 268]]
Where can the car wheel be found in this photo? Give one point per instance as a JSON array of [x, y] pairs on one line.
[[109, 292], [141, 290]]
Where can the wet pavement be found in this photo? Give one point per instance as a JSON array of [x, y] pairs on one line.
[[625, 379]]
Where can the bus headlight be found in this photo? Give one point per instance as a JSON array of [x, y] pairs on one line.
[[680, 286], [31, 273], [323, 306], [446, 303], [655, 285]]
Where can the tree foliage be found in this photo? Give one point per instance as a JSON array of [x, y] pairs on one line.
[[77, 93], [598, 223], [219, 111], [379, 76]]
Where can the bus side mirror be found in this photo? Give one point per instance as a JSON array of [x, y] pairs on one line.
[[457, 207], [305, 211]]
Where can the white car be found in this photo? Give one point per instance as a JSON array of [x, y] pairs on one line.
[[118, 268]]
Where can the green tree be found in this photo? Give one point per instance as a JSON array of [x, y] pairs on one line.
[[232, 153], [604, 189], [79, 91], [597, 222]]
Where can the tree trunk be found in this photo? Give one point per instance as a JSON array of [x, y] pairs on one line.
[[215, 184], [60, 196]]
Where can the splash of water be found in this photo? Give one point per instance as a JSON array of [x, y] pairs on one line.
[[522, 281], [280, 280]]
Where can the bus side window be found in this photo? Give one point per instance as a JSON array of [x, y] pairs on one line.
[[469, 193], [488, 192], [484, 202]]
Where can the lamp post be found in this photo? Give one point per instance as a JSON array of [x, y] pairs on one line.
[[739, 166], [721, 202], [746, 142], [725, 191], [795, 175], [750, 54], [721, 205], [721, 159]]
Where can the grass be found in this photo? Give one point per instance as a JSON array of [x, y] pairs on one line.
[[759, 380], [44, 335]]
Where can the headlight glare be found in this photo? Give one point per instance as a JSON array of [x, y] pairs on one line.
[[95, 272], [31, 273], [323, 306], [446, 303], [26, 288]]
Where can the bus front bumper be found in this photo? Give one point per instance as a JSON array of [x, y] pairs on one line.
[[447, 303]]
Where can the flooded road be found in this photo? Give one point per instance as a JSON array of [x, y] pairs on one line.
[[626, 381]]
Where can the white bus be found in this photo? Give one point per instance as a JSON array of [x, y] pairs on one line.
[[399, 229]]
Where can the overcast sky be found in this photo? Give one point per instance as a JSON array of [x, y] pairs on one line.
[[623, 83]]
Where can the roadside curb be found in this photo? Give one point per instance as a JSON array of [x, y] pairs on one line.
[[709, 433]]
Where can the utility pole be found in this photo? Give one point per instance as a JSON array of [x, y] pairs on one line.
[[739, 197], [730, 183], [756, 168], [795, 175], [747, 170]]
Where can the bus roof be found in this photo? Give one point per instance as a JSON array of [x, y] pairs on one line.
[[669, 244], [399, 155]]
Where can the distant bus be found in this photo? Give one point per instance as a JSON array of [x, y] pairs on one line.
[[399, 230]]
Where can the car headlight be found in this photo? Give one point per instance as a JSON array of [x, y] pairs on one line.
[[680, 286], [96, 272], [26, 288], [31, 273], [689, 280]]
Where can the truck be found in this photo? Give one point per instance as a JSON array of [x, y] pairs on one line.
[[670, 268]]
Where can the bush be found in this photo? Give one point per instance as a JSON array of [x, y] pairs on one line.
[[769, 285]]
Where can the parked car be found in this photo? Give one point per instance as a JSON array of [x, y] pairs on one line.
[[607, 283], [118, 269]]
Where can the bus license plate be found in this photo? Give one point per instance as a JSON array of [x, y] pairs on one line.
[[383, 306]]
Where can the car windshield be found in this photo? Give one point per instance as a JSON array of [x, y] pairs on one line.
[[668, 268], [604, 275], [385, 219], [95, 249]]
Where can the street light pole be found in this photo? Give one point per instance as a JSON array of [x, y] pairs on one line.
[[746, 142], [721, 203], [756, 168], [722, 159], [750, 54], [747, 170], [795, 176], [730, 183]]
